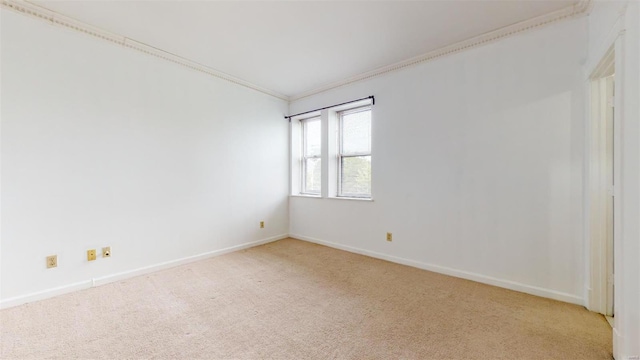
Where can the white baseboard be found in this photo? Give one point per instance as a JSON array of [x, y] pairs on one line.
[[617, 341], [618, 345], [44, 294], [65, 289], [512, 285], [169, 264], [507, 284]]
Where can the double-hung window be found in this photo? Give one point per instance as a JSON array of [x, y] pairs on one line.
[[331, 151], [354, 153], [311, 159]]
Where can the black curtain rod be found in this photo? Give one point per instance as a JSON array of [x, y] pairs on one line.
[[373, 102]]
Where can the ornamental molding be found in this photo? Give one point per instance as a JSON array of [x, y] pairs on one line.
[[581, 8], [55, 18]]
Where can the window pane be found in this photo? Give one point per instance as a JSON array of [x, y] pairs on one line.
[[356, 176], [312, 140], [312, 176], [356, 132]]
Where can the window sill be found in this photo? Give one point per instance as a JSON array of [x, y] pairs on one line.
[[349, 198], [332, 197]]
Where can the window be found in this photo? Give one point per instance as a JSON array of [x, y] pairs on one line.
[[311, 159], [331, 151], [354, 153]]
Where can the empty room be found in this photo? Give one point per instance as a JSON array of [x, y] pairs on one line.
[[320, 179]]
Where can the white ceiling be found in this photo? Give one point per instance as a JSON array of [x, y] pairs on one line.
[[294, 46]]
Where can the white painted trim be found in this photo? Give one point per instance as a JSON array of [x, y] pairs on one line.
[[350, 198], [0, 163], [173, 263], [615, 40], [618, 340], [45, 294], [620, 114], [581, 8], [507, 284], [54, 18], [596, 194], [595, 57], [65, 289]]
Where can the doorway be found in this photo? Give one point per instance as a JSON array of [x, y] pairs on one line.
[[602, 186]]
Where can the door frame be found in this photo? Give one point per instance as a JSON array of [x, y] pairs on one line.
[[598, 189], [599, 254]]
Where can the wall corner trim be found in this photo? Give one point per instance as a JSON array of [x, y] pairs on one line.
[[507, 284]]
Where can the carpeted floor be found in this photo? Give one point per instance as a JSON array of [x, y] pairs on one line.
[[295, 300]]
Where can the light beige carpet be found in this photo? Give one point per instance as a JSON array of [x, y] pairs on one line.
[[295, 300]]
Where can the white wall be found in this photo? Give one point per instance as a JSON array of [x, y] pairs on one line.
[[618, 24], [477, 166], [104, 146]]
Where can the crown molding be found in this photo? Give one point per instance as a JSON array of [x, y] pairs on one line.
[[24, 7], [54, 18], [581, 8]]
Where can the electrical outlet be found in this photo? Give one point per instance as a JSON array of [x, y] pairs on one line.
[[261, 224], [91, 255], [106, 251], [52, 261], [389, 237]]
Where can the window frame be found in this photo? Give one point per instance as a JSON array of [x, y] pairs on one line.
[[341, 155], [304, 157]]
